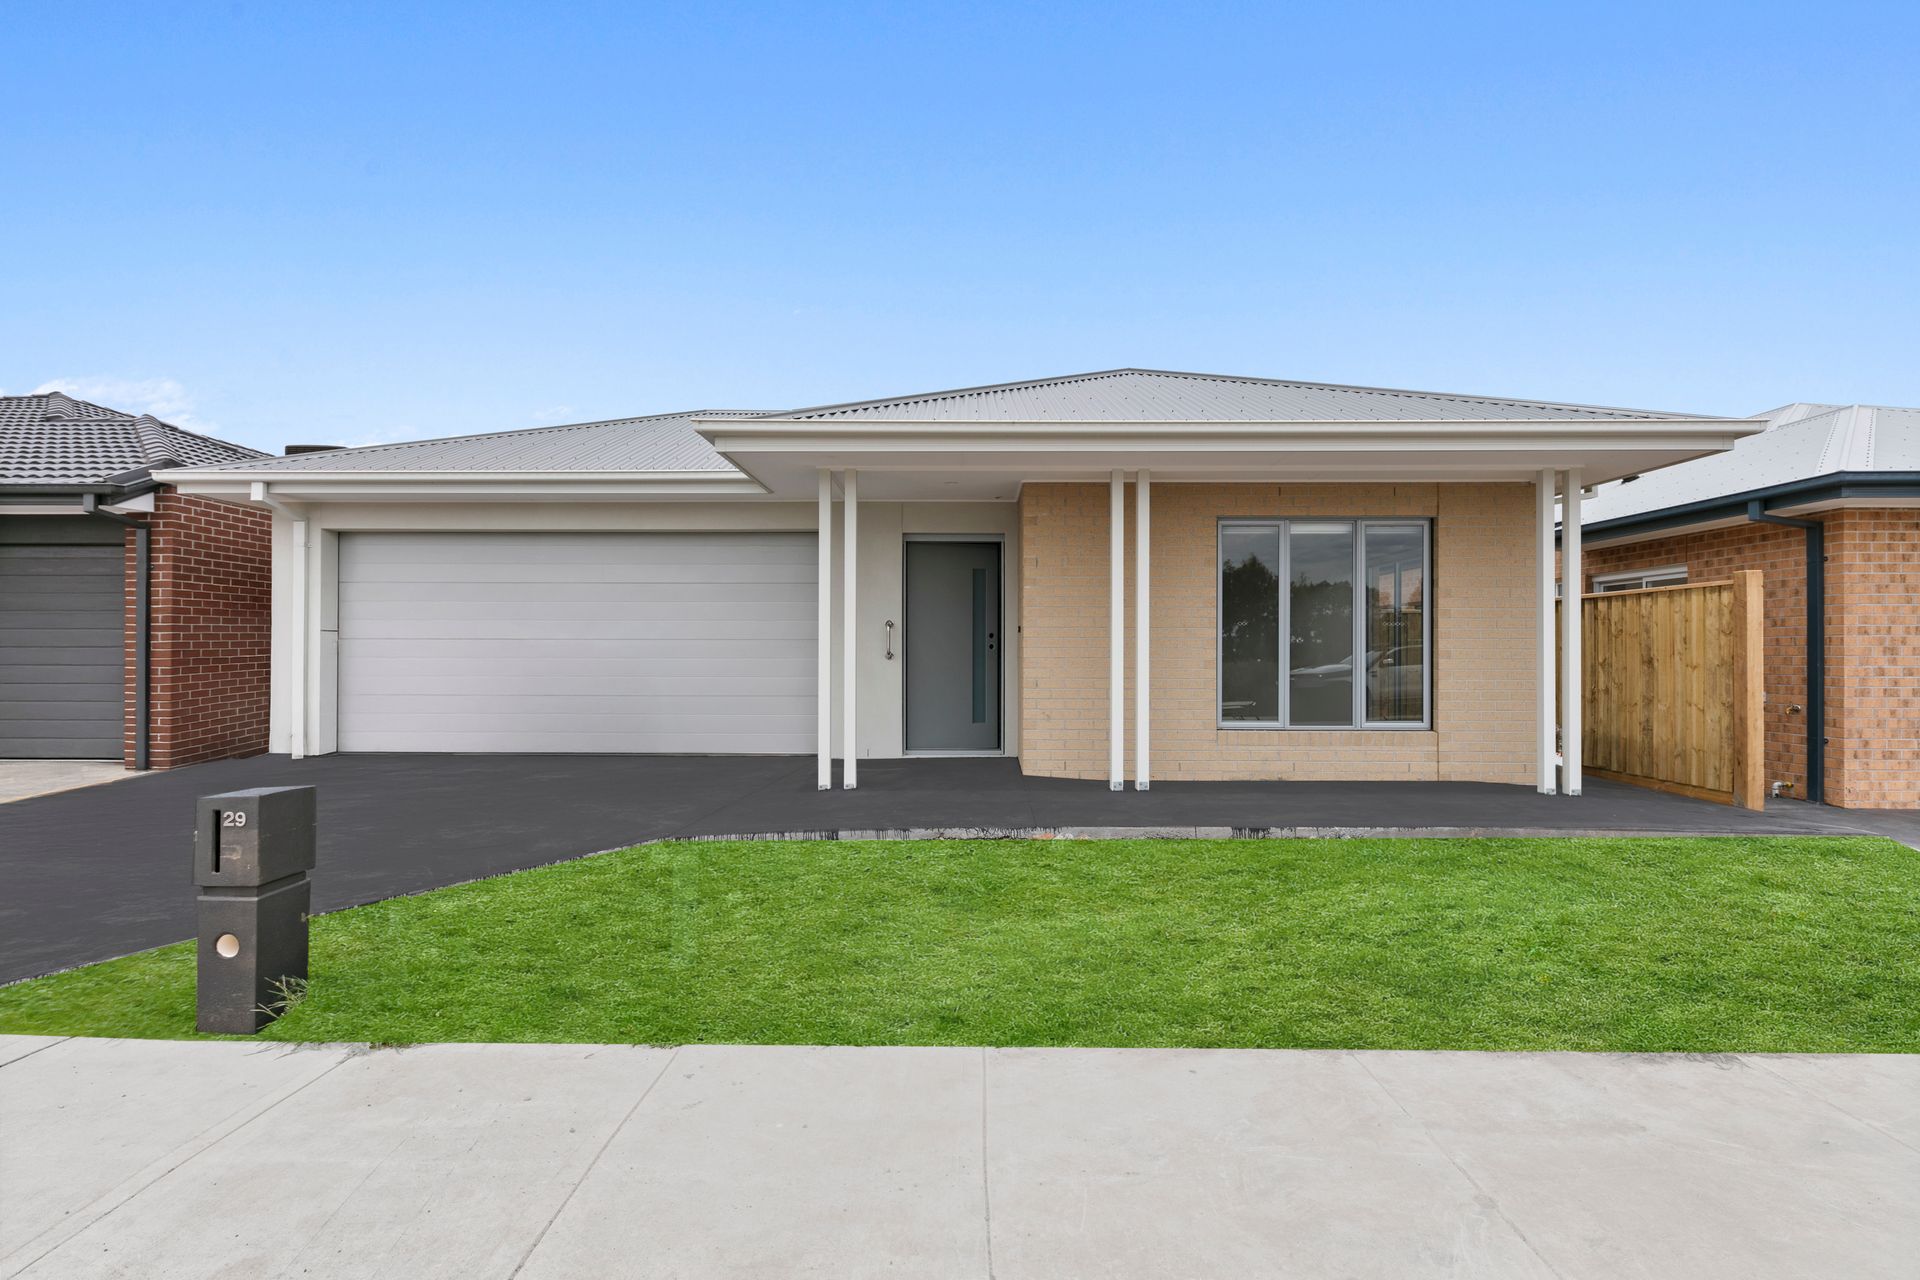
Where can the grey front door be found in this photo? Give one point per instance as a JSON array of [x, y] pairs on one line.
[[953, 643]]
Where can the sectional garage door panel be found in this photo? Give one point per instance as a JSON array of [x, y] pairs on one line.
[[656, 642], [61, 629]]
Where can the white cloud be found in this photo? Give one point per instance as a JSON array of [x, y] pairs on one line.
[[379, 435], [164, 398], [553, 413]]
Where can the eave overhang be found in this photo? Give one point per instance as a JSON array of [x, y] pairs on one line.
[[786, 455], [1835, 491], [17, 499], [464, 486]]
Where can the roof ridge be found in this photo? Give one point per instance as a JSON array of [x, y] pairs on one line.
[[1414, 393], [1866, 421], [959, 393], [70, 403], [951, 393], [151, 434], [178, 430]]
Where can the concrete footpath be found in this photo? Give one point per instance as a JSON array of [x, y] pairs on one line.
[[153, 1159]]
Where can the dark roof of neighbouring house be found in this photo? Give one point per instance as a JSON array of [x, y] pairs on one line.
[[55, 440]]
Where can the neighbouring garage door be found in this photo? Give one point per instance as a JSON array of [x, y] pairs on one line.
[[61, 627], [643, 642]]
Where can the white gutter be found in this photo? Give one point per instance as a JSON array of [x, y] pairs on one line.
[[306, 475], [760, 434], [346, 486]]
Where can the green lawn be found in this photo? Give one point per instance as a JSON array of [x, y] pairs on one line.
[[1696, 945]]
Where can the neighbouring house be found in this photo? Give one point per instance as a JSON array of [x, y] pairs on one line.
[[1829, 493], [1128, 574], [134, 620]]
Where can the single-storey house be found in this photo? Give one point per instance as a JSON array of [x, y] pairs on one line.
[[1825, 502], [1125, 575], [134, 620]]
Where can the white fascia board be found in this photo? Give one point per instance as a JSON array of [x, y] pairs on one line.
[[1705, 435], [506, 486], [793, 435]]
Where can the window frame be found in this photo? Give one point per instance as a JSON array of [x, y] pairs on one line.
[[1667, 575], [1360, 525]]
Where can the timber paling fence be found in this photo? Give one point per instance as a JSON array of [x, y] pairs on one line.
[[1673, 688]]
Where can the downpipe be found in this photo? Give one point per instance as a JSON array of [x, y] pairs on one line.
[[1816, 554]]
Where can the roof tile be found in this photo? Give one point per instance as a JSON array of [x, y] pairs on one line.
[[53, 439]]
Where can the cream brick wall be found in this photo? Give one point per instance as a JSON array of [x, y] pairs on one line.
[[1483, 635]]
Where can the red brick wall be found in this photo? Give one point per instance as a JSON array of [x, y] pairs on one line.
[[1873, 658], [1873, 642], [1780, 555], [211, 631]]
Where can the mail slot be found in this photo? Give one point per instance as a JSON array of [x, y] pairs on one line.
[[253, 837], [251, 854]]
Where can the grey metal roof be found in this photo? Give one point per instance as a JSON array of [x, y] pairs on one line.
[[1154, 395], [1801, 442], [669, 443], [662, 442], [53, 439]]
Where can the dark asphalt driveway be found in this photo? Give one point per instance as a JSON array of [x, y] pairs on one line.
[[103, 871]]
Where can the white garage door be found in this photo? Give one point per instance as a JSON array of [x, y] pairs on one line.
[[667, 642]]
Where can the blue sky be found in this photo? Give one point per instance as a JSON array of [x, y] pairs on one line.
[[336, 222]]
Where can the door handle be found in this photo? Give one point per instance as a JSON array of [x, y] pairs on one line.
[[889, 639]]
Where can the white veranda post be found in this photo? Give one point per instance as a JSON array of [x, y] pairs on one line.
[[1545, 746], [823, 673], [1142, 632], [1572, 579], [1117, 633], [849, 628]]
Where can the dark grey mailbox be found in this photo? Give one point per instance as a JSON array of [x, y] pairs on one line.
[[251, 854]]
